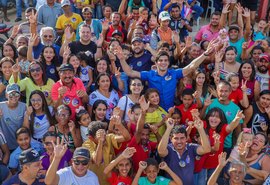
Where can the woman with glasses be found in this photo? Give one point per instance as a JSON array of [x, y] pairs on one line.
[[37, 80], [38, 116], [126, 102], [66, 128]]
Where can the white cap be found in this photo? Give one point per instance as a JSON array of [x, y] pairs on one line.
[[164, 15], [65, 2]]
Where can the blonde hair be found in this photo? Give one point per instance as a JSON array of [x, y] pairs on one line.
[[240, 137]]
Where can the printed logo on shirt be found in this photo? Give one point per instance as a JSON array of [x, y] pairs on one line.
[[139, 64], [168, 77], [228, 113], [46, 94], [37, 125], [84, 71], [66, 100], [93, 96], [204, 36], [73, 19], [8, 121], [52, 71], [75, 102]]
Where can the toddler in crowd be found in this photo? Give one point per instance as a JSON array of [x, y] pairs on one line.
[[83, 119]]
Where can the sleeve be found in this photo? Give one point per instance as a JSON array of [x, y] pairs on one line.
[[63, 176], [21, 83], [54, 92], [58, 23], [2, 138], [132, 143], [40, 18], [199, 35], [145, 75], [92, 98], [13, 162], [179, 73], [122, 102], [130, 2], [90, 146], [113, 140]]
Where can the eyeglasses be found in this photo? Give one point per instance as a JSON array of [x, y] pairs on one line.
[[83, 162], [38, 69], [63, 115], [36, 100], [136, 84], [48, 36], [14, 95]]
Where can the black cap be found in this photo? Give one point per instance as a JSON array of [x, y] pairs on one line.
[[81, 152], [117, 32], [234, 27], [138, 39], [65, 67], [29, 156]]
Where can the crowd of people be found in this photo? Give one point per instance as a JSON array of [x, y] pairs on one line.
[[119, 93]]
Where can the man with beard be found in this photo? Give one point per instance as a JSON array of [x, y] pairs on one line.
[[262, 71], [210, 31], [229, 108], [49, 12], [164, 79], [140, 60], [94, 24], [140, 141], [69, 90], [180, 155], [107, 29]]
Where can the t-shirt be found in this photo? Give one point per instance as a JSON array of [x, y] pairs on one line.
[[230, 110], [132, 5], [125, 101], [115, 179], [111, 101], [238, 44], [11, 121], [142, 63], [263, 79], [63, 163], [84, 73], [205, 33], [159, 181], [236, 96], [66, 176], [15, 180]]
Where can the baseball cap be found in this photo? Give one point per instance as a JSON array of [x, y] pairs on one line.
[[234, 27], [164, 15], [87, 9], [264, 56], [65, 2], [81, 152], [117, 32], [13, 88], [29, 156], [138, 39], [65, 67]]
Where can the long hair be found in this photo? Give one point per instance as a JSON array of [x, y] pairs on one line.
[[44, 107], [44, 76], [54, 61], [96, 73], [13, 48], [221, 115], [253, 73], [205, 84], [98, 78], [95, 105]]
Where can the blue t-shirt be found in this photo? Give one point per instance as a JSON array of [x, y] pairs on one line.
[[15, 180], [258, 36], [142, 63], [238, 46], [230, 110], [51, 72], [166, 85], [38, 49], [159, 181]]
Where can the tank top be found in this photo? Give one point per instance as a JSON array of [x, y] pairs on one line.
[[68, 140], [257, 118], [250, 89], [256, 166]]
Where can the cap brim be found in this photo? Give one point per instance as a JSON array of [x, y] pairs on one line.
[[81, 157], [165, 18], [35, 160], [8, 92]]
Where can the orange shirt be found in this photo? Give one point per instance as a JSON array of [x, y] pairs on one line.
[[165, 35]]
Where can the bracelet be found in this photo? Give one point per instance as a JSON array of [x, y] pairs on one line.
[[11, 38], [205, 54], [99, 46]]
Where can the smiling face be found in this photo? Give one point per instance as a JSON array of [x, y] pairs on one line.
[[237, 174], [214, 120], [85, 120], [7, 68], [23, 141], [104, 83], [262, 65], [48, 144], [223, 92], [124, 167], [247, 138], [230, 56], [264, 101], [187, 101], [246, 70], [100, 112], [62, 116], [179, 141], [258, 143], [234, 82], [200, 79], [8, 51], [79, 169], [163, 63], [102, 66], [48, 54], [137, 47], [151, 173], [36, 72], [85, 34], [66, 76], [136, 86], [74, 61], [154, 98], [36, 102]]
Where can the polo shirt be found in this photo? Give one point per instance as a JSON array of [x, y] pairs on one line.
[[230, 112], [166, 85], [70, 98], [15, 180], [48, 15], [205, 33], [188, 158]]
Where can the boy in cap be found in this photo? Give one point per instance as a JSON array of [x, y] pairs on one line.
[[75, 174], [11, 115], [30, 162]]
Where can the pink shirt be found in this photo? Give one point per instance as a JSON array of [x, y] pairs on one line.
[[70, 98], [205, 33]]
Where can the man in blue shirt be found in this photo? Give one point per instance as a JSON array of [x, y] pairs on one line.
[[164, 79], [30, 161]]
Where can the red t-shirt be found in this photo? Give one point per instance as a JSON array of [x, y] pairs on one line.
[[122, 148], [142, 152], [115, 179], [186, 117], [236, 96], [212, 157]]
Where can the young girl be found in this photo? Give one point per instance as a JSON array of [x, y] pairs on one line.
[[99, 111], [123, 168], [86, 73], [23, 62], [176, 116], [133, 115], [49, 61], [38, 116], [6, 64], [238, 96], [151, 168], [74, 61], [155, 114], [216, 123], [83, 119]]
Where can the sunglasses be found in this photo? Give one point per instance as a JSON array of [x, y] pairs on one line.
[[14, 95], [83, 162], [38, 69], [47, 36]]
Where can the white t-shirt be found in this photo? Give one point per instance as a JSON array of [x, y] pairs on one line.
[[84, 132], [66, 176], [122, 104], [111, 101], [263, 79]]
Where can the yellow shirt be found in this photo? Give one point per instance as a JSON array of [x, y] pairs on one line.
[[154, 118], [28, 86], [83, 2], [73, 21], [108, 156]]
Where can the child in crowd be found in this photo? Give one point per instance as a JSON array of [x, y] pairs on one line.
[[86, 73], [23, 62], [151, 168], [133, 115], [123, 168], [83, 119]]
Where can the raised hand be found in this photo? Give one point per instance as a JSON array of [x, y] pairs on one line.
[[171, 110], [100, 40], [115, 120], [153, 128], [188, 41], [66, 53], [100, 135], [222, 159], [246, 13], [144, 105], [61, 91], [208, 101], [216, 76], [142, 165], [105, 25], [69, 34], [244, 86], [111, 56], [216, 137], [196, 95], [29, 110], [81, 93], [195, 114], [242, 149], [32, 40], [163, 166], [176, 37], [225, 9], [245, 45], [198, 124], [240, 115], [128, 152], [119, 53], [33, 17], [15, 31], [71, 126], [218, 56], [16, 68], [60, 148], [170, 123], [116, 111], [211, 46], [239, 8]]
